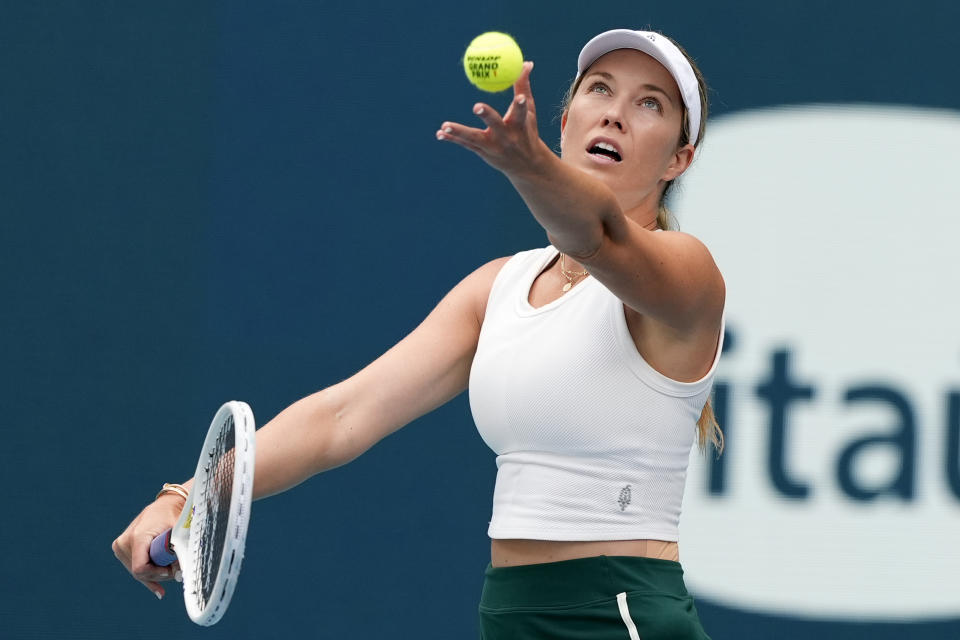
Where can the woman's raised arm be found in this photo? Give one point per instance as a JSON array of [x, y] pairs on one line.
[[601, 213]]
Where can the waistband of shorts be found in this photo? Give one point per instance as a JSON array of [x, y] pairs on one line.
[[579, 580]]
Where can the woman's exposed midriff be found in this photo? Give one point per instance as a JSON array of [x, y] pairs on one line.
[[514, 552]]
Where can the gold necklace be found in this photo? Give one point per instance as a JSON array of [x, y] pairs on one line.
[[571, 276]]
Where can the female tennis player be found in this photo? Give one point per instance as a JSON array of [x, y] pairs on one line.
[[589, 362]]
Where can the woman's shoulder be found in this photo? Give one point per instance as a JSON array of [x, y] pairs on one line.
[[518, 262], [499, 272], [524, 262]]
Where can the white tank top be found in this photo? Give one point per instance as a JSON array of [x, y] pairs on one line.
[[592, 443]]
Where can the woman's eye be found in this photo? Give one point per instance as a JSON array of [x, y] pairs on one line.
[[650, 103], [599, 87]]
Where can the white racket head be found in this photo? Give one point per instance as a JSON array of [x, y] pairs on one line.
[[210, 534]]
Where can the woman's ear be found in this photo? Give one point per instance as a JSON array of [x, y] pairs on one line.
[[680, 162], [563, 125]]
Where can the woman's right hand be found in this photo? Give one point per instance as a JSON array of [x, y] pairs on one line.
[[511, 143], [132, 547]]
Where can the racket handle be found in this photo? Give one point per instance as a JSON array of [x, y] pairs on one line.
[[160, 552]]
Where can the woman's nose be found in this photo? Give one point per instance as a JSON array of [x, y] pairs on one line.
[[613, 121], [612, 117]]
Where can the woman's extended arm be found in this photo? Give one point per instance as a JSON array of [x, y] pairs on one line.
[[331, 427], [421, 372], [670, 277]]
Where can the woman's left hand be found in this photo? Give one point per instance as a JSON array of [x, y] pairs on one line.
[[510, 144]]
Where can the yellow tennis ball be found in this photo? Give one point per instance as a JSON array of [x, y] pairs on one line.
[[493, 61]]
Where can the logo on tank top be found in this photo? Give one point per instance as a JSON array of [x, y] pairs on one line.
[[624, 498]]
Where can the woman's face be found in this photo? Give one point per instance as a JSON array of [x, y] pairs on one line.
[[623, 127]]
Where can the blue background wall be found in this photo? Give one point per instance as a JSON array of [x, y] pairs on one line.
[[208, 201]]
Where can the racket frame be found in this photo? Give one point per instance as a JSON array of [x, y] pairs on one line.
[[187, 545]]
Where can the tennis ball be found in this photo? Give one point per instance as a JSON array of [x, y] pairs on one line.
[[493, 61]]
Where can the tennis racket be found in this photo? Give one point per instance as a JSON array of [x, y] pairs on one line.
[[209, 536]]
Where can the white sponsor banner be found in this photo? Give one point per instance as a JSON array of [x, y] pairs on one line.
[[837, 229]]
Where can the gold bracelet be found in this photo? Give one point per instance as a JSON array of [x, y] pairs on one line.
[[169, 487]]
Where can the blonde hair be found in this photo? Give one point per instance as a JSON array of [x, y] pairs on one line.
[[708, 429]]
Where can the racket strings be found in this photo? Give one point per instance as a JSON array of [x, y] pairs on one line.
[[215, 504]]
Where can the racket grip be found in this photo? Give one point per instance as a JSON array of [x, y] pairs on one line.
[[160, 552]]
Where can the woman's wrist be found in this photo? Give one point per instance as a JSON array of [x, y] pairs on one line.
[[538, 169], [173, 489]]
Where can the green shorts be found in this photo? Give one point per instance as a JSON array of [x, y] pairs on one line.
[[601, 598]]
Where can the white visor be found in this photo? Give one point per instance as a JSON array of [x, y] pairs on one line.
[[658, 47]]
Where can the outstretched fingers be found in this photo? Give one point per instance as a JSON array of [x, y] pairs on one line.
[[489, 116], [522, 96], [471, 137], [522, 86], [466, 137], [517, 113], [508, 143]]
